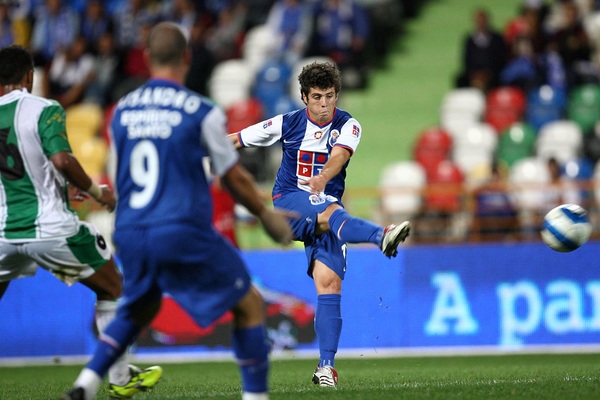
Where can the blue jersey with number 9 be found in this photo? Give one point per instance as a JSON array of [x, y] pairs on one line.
[[165, 136]]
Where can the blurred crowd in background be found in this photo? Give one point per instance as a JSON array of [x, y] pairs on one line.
[[91, 50], [518, 127], [517, 135]]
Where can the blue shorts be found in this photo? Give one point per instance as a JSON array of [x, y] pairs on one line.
[[326, 248], [196, 266]]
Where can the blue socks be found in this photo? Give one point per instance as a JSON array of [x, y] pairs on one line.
[[350, 229], [328, 326], [251, 350], [113, 343]]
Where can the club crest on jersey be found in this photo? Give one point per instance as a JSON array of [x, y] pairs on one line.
[[333, 137], [267, 124], [316, 199], [318, 135]]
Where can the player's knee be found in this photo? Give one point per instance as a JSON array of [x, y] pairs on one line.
[[250, 310]]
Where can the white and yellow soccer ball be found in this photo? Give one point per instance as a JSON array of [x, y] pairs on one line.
[[566, 227]]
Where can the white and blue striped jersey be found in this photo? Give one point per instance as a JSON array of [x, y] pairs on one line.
[[306, 147], [161, 133]]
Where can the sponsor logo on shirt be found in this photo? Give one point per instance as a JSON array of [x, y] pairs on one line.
[[310, 163], [355, 130], [318, 135]]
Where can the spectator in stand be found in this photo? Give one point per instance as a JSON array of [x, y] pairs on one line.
[[19, 14], [484, 54], [203, 60], [522, 70], [95, 24], [7, 36], [135, 69], [495, 219], [527, 24], [128, 21], [290, 21], [55, 28], [573, 44], [224, 37], [341, 30], [70, 73], [107, 71], [182, 12]]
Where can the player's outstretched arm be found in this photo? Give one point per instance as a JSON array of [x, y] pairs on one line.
[[243, 188], [234, 138], [68, 165]]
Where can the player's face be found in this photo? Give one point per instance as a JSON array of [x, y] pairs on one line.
[[321, 104]]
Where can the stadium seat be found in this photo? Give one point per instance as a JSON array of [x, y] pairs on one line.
[[444, 190], [271, 85], [529, 177], [243, 114], [259, 43], [504, 107], [515, 143], [561, 139], [475, 147], [584, 106], [544, 105], [400, 189], [92, 154], [461, 108], [230, 82], [432, 146]]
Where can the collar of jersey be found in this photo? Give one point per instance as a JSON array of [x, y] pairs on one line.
[[318, 124]]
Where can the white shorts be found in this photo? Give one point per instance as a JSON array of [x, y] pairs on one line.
[[70, 259]]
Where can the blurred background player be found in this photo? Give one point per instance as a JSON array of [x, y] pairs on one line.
[[317, 143], [38, 227], [163, 231]]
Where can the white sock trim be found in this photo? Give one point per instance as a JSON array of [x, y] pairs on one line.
[[255, 396], [89, 381]]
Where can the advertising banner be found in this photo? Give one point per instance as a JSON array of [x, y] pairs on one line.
[[504, 296]]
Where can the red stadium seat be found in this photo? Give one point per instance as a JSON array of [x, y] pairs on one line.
[[432, 146], [505, 106], [243, 114], [444, 190]]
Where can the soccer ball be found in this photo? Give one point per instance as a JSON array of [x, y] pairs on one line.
[[566, 227]]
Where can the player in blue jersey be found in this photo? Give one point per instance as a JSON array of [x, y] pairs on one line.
[[317, 143], [38, 228], [162, 133]]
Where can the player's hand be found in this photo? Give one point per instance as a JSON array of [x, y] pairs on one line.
[[316, 183], [275, 223], [76, 194], [107, 199]]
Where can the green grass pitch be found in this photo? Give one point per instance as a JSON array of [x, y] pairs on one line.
[[515, 376]]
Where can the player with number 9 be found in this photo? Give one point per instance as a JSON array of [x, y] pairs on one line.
[[162, 132]]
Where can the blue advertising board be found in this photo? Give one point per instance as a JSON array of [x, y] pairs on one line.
[[503, 296]]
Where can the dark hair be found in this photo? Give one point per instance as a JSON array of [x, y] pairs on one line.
[[321, 75], [166, 44], [15, 62]]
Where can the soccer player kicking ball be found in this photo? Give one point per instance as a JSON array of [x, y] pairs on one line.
[[317, 143], [162, 132], [37, 227]]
